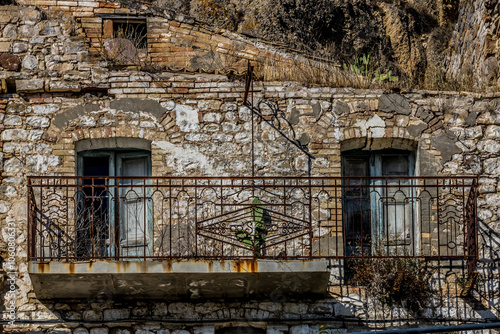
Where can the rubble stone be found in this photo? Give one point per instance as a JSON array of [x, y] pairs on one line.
[[9, 62]]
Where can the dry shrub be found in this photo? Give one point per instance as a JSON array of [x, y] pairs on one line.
[[403, 282], [219, 13]]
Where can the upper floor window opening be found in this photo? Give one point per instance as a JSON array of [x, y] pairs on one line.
[[124, 39], [132, 30]]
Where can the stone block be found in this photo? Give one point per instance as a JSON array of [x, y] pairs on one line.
[[394, 103], [30, 86], [13, 165], [30, 63], [30, 15], [204, 330], [297, 308], [27, 31], [5, 46], [187, 118], [35, 135], [446, 144], [14, 134], [19, 47], [492, 132], [120, 331], [38, 121], [299, 329], [12, 120], [64, 86], [116, 314], [9, 62], [277, 329], [91, 315], [342, 311], [491, 146]]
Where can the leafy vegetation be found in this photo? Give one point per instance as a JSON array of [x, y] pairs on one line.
[[361, 66], [254, 240]]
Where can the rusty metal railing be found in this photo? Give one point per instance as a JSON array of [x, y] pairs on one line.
[[84, 218]]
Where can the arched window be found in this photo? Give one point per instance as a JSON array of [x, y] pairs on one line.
[[114, 206], [378, 202]]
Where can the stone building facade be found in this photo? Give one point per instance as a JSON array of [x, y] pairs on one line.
[[70, 87]]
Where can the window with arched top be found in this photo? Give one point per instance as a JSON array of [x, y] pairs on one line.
[[378, 202], [114, 215]]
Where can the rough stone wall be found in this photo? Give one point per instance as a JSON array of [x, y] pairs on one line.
[[196, 134], [178, 44], [475, 46], [198, 126]]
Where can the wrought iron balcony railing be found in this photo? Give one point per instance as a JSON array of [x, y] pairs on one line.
[[77, 218]]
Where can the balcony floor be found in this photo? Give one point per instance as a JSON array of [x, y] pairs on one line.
[[180, 279]]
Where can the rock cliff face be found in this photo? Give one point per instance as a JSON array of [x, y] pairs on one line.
[[405, 37], [420, 41], [475, 49]]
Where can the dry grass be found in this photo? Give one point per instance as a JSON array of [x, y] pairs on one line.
[[329, 73], [313, 72]]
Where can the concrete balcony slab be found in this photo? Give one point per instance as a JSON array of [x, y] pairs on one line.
[[181, 279]]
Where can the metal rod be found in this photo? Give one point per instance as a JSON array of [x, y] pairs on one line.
[[437, 329], [250, 74]]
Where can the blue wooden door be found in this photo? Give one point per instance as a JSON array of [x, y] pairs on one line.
[[134, 205]]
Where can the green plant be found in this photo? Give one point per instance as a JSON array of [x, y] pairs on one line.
[[385, 77], [400, 281], [254, 240], [360, 66]]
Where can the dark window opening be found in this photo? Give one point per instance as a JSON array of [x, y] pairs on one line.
[[113, 213], [240, 330], [92, 227], [10, 86], [375, 205], [134, 31]]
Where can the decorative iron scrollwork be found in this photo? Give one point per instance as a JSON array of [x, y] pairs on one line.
[[275, 118], [270, 113]]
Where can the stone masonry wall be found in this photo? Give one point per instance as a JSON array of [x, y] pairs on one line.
[[206, 131], [180, 44], [59, 94]]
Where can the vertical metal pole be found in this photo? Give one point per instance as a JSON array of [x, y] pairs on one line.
[[310, 206], [250, 74], [30, 221]]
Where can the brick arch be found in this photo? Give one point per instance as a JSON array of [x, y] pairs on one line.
[[72, 142], [112, 143], [123, 131], [366, 143]]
